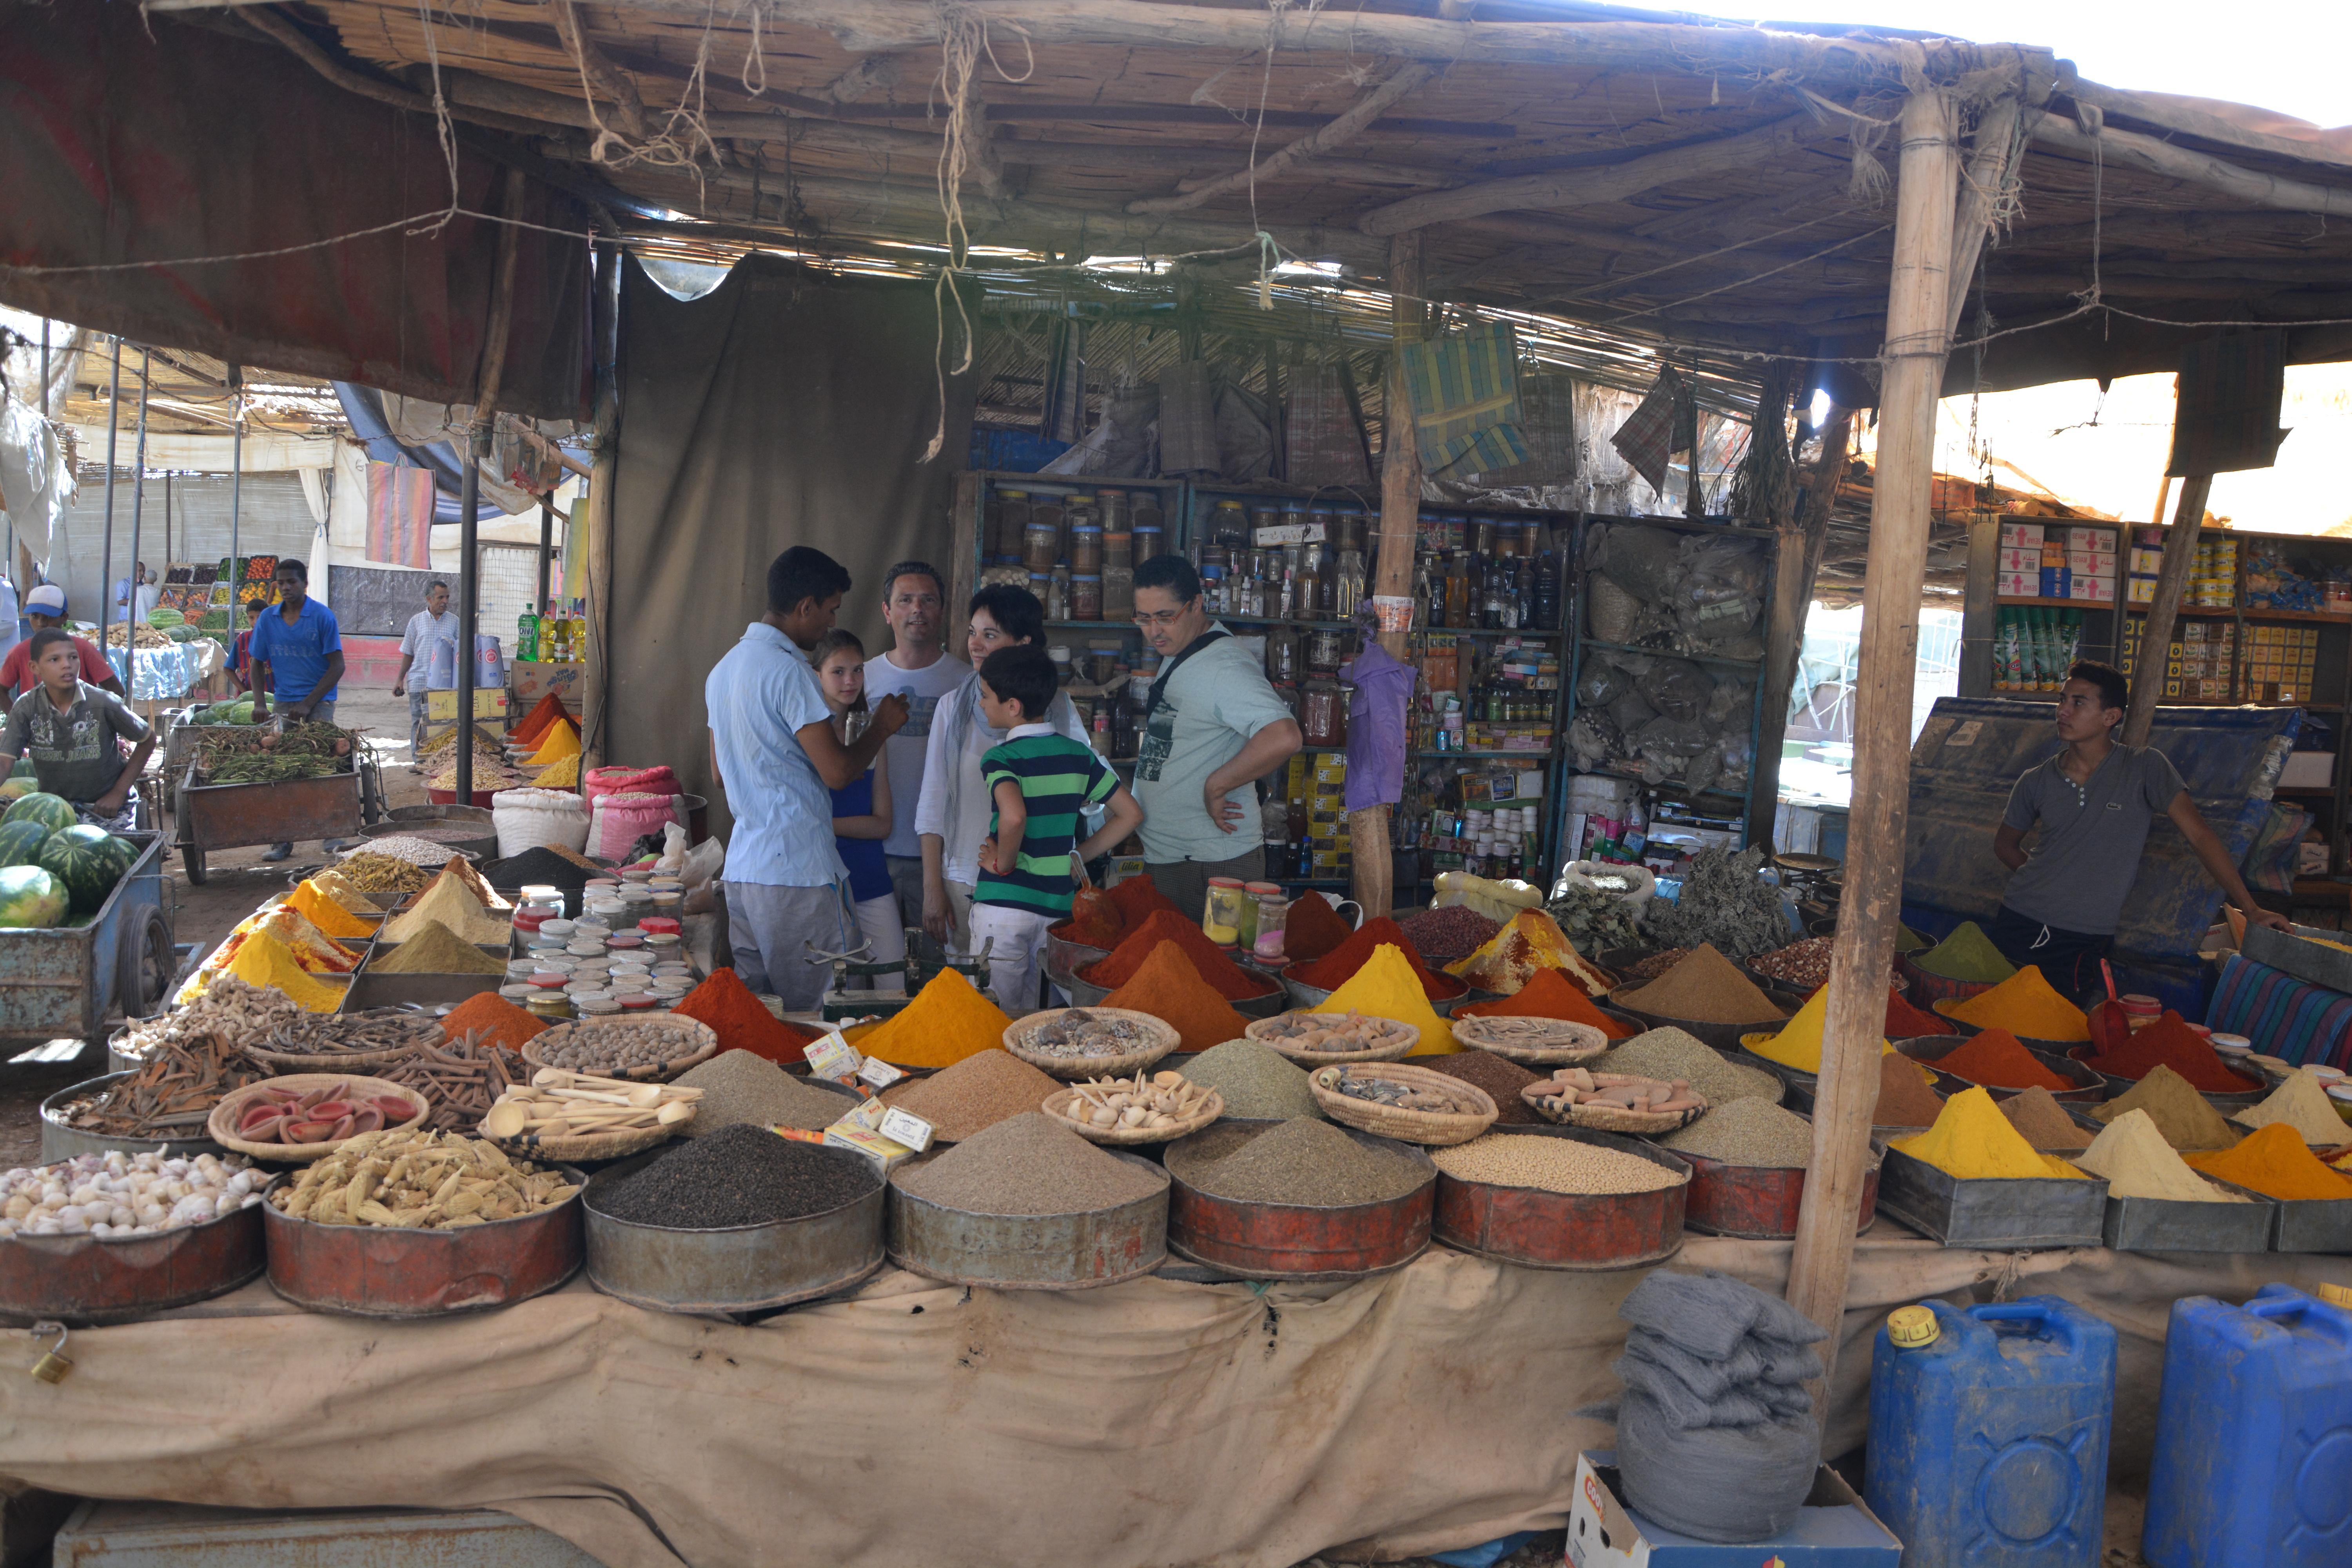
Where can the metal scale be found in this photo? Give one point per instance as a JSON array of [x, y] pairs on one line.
[[862, 1001]]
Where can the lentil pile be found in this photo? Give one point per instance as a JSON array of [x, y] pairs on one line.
[[1298, 1162], [420, 850], [1257, 1083], [1500, 1077], [737, 1175], [1442, 935], [1671, 1053], [1552, 1165], [1703, 988], [741, 1089], [1027, 1164], [978, 1092], [1748, 1133]]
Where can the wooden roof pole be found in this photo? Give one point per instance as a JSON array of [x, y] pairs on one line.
[[1918, 307], [2171, 577], [1339, 132], [1400, 451]]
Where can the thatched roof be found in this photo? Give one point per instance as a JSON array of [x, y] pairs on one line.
[[1657, 178]]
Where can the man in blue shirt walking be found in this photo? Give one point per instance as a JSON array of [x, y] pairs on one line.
[[777, 758], [297, 655]]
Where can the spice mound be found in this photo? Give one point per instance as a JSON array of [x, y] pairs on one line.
[[538, 867], [1259, 1083], [369, 872], [1337, 968], [1671, 1053], [1396, 1094], [977, 1093], [1077, 1033], [1168, 988], [1905, 1098], [1703, 988], [2275, 1162], [617, 1046], [1748, 1133], [2026, 1006], [737, 1176], [434, 949], [1972, 1140], [2139, 1164], [1333, 1033], [1551, 994], [1137, 1104], [1385, 987], [946, 1022], [320, 1115], [1442, 935], [740, 1020], [1223, 975], [492, 1020], [2301, 1102], [1799, 1044], [419, 1181], [1311, 1163], [2044, 1122], [1552, 1165], [2169, 1042], [1500, 1077], [1995, 1058], [450, 902], [1313, 929], [117, 1195], [1529, 944], [2185, 1117], [743, 1088], [1966, 955], [1028, 1164]]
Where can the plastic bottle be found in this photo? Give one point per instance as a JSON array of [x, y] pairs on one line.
[[527, 635], [579, 629]]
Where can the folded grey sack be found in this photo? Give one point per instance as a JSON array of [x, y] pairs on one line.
[[1720, 1484]]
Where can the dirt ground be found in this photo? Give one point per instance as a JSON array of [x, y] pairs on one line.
[[236, 881]]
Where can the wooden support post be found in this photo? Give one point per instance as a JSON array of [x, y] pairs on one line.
[[1794, 574], [964, 528], [598, 516], [1918, 306], [1400, 452], [496, 329], [2156, 638]]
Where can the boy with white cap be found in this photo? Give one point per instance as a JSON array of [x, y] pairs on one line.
[[44, 607]]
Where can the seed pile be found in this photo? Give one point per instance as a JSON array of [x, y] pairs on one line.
[[1395, 1093], [621, 1047], [460, 1078], [1552, 1165], [1027, 1164], [1312, 1164], [369, 872], [1078, 1032], [1671, 1053], [2185, 1117], [1137, 1104], [1501, 1077], [118, 1194], [419, 848], [440, 833], [536, 866], [1802, 965], [2044, 1123], [737, 1175], [1257, 1083], [740, 1089], [1650, 968], [1329, 1032], [1748, 1133], [1703, 988], [419, 1181], [978, 1092], [434, 949], [1442, 935]]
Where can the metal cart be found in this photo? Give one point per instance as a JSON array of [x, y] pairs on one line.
[[65, 982], [233, 815]]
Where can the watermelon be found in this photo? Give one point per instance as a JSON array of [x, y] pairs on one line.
[[23, 770], [20, 843], [80, 858], [52, 812], [30, 897], [17, 789]]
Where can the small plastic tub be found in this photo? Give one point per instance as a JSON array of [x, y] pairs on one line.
[[637, 1000], [518, 994], [549, 980], [625, 941], [658, 925], [588, 948]]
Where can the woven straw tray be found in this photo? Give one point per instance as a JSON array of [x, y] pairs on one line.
[[1610, 1118], [1057, 1106], [1435, 1129], [1162, 1035], [1262, 1032], [695, 1043], [221, 1125], [1538, 1042]]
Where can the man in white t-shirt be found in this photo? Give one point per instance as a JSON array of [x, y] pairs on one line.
[[437, 622], [914, 607]]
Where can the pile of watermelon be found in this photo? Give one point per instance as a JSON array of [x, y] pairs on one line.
[[52, 867]]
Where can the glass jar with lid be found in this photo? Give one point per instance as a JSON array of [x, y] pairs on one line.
[[1085, 596], [1012, 523], [1110, 511], [1229, 525], [1221, 917], [1273, 916], [1324, 713], [1282, 655], [1085, 547]]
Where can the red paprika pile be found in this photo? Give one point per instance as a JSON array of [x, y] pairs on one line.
[[1998, 1060], [1223, 975], [1312, 929], [1168, 987], [1337, 968], [1139, 895], [508, 1026], [2169, 1042], [740, 1020]]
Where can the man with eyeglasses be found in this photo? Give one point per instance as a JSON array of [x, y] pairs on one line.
[[1213, 728]]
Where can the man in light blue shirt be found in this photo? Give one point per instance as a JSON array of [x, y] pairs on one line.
[[777, 758]]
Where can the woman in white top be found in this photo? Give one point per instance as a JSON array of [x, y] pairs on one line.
[[951, 815]]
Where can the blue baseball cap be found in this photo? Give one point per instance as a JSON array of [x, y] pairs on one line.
[[48, 599]]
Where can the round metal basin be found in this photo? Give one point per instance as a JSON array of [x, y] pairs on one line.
[[736, 1268]]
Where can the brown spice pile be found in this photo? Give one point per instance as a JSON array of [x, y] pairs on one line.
[[979, 1091], [1500, 1077], [1704, 988], [2043, 1121]]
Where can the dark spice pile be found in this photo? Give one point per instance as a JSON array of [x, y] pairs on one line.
[[1650, 968], [535, 867], [737, 1175], [1457, 930], [1500, 1077]]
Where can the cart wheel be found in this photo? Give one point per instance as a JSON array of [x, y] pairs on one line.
[[193, 859], [146, 961]]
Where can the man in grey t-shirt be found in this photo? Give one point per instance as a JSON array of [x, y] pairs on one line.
[[2094, 802]]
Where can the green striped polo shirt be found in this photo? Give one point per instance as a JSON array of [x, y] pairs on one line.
[[1058, 778]]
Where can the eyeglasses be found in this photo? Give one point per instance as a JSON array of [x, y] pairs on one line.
[[1158, 617]]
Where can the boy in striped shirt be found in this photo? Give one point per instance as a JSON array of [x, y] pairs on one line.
[[1040, 781]]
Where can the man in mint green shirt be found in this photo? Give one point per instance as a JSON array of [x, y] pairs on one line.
[[1214, 728]]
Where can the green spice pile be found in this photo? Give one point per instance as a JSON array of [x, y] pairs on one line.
[[1027, 1164], [1259, 1083], [1968, 954], [1300, 1161], [436, 949], [1748, 1133], [742, 1090], [1724, 904]]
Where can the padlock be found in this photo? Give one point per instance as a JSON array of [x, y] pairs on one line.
[[54, 1363]]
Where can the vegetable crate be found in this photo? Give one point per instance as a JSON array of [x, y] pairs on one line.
[[233, 815], [65, 982]]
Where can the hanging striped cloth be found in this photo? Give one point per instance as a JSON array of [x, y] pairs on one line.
[[1464, 391], [400, 515], [2286, 1018]]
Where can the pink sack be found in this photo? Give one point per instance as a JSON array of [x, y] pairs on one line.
[[622, 819], [628, 781]]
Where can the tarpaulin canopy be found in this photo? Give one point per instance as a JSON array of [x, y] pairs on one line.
[[205, 154]]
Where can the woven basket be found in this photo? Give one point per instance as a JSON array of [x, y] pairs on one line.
[[1433, 1129], [1261, 1032], [1562, 1043], [1163, 1035], [1057, 1105], [696, 1042], [592, 1146], [1610, 1118], [221, 1125]]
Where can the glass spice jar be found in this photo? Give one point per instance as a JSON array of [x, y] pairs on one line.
[[1324, 714], [1220, 919], [1273, 916], [1085, 548], [1085, 596]]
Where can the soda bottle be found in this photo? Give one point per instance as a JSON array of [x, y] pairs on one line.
[[579, 629], [527, 635]]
